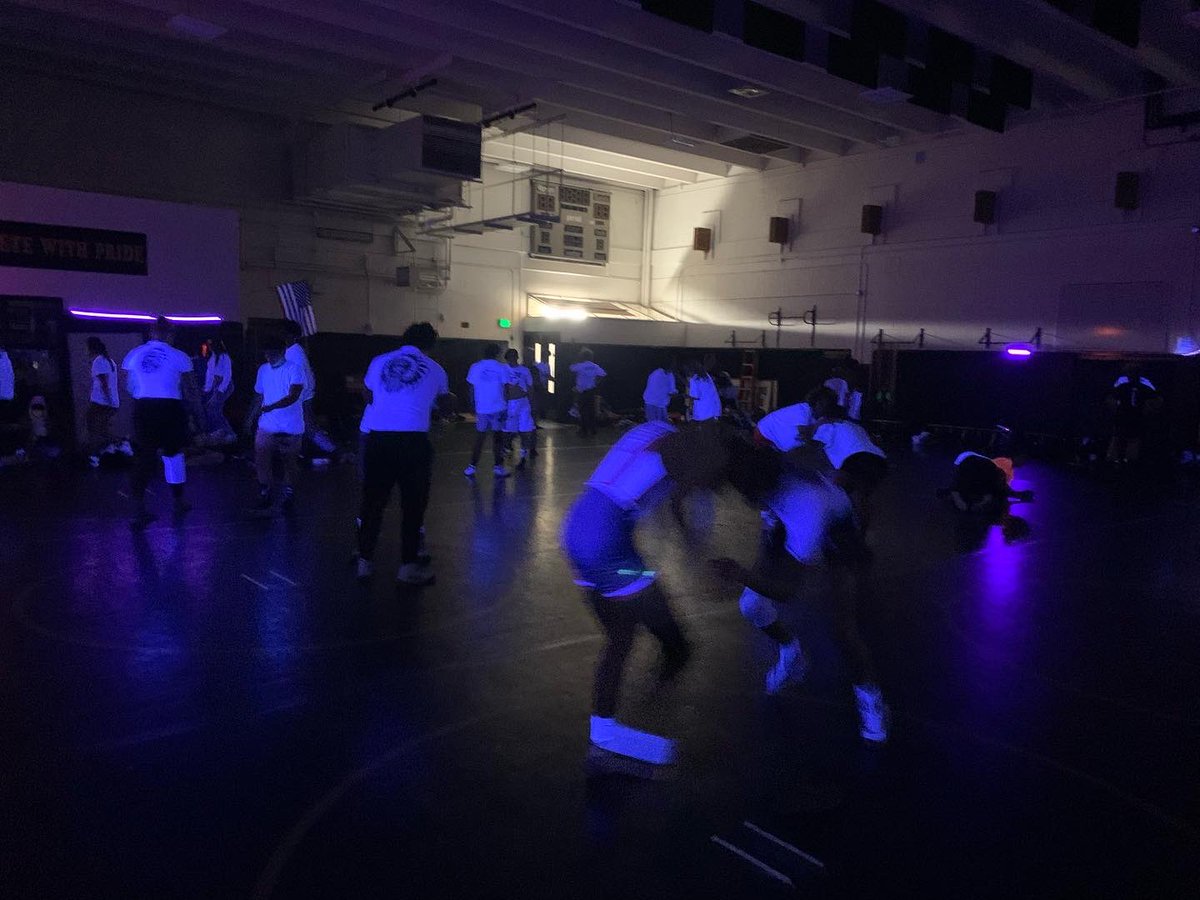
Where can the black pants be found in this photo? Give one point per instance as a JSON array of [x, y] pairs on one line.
[[587, 411], [620, 617], [160, 428], [403, 458]]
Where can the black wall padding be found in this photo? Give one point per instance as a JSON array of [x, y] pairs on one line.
[[880, 28], [773, 31]]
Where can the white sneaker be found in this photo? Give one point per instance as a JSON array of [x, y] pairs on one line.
[[611, 735], [469, 471], [873, 712], [415, 574], [365, 569], [500, 471], [791, 666], [94, 462]]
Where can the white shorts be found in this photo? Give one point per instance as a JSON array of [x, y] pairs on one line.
[[519, 417], [490, 421]]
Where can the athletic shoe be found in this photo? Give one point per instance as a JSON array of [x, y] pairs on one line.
[[500, 471], [415, 575], [873, 712], [611, 735], [791, 666], [365, 569], [469, 471], [94, 462]]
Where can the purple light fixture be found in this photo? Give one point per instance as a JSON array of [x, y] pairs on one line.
[[1019, 351], [137, 317]]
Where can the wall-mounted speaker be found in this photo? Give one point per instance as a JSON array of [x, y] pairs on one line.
[[702, 239], [778, 232], [1128, 184], [872, 219], [985, 207]]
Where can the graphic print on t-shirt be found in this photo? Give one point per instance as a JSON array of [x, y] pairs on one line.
[[152, 360], [403, 371]]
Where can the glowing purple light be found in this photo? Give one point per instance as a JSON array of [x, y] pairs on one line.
[[136, 317], [1019, 350]]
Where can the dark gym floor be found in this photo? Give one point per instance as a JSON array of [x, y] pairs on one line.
[[216, 709]]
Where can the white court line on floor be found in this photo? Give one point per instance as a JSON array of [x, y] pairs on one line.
[[784, 844], [282, 578], [753, 860], [252, 581]]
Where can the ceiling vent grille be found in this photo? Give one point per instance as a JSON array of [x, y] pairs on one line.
[[756, 143]]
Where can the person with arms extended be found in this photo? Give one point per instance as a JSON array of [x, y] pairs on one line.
[[402, 388], [159, 378], [519, 416]]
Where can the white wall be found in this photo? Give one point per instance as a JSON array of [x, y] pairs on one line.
[[934, 267], [191, 253]]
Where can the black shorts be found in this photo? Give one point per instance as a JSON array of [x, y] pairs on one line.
[[160, 426], [864, 470]]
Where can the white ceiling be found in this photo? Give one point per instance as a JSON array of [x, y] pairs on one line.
[[632, 96]]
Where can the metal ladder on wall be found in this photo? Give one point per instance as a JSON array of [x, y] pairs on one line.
[[748, 380]]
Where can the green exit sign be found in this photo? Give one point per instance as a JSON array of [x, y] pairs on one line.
[[504, 323]]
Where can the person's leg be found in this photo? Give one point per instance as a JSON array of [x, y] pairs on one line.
[[145, 459], [587, 411], [498, 443], [379, 474], [619, 624], [654, 612], [264, 465], [481, 432], [288, 447], [94, 423], [415, 475]]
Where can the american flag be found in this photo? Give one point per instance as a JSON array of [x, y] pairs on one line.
[[296, 299]]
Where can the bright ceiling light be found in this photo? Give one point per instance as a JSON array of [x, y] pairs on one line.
[[749, 91], [1020, 351], [558, 312]]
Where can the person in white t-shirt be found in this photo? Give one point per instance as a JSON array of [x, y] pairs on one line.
[[815, 526], [104, 400], [860, 464], [8, 386], [487, 377], [702, 391], [159, 378], [295, 353], [277, 418], [218, 387], [784, 428], [402, 388], [541, 384], [519, 415], [587, 379], [660, 387]]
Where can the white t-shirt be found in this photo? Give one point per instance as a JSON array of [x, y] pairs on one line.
[[8, 381], [155, 370], [659, 388], [843, 439], [296, 354], [630, 471], [522, 378], [782, 427], [404, 385], [587, 373], [222, 367], [807, 509], [275, 383], [102, 365], [707, 402], [488, 377]]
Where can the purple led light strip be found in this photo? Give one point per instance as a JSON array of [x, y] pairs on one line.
[[136, 317]]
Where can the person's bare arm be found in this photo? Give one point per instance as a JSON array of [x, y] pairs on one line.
[[293, 396]]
